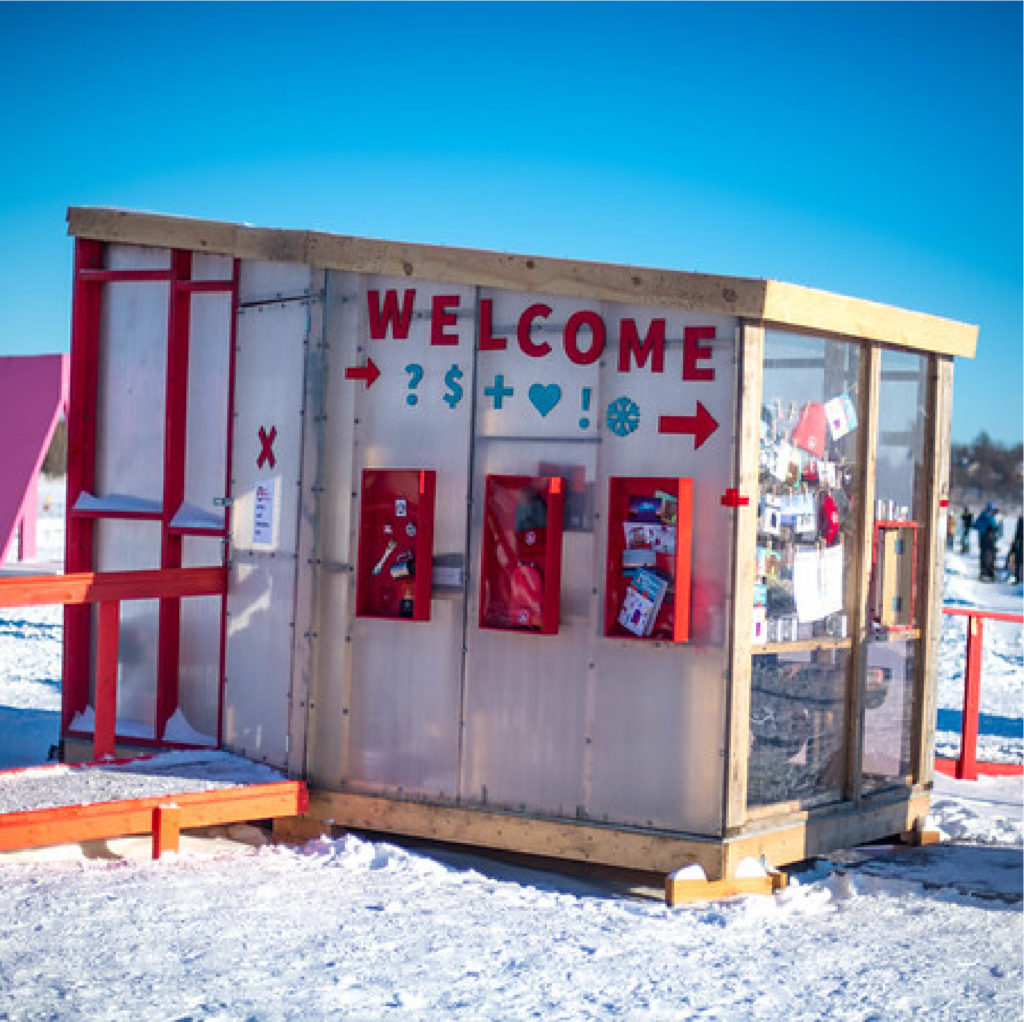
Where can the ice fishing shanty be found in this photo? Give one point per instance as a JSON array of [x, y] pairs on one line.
[[588, 561]]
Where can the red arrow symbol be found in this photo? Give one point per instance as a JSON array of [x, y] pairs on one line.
[[701, 425], [368, 372]]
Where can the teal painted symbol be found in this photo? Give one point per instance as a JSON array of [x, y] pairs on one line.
[[415, 371], [544, 397], [623, 416], [585, 403], [498, 392], [451, 381]]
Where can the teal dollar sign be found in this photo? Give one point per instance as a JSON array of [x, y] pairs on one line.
[[451, 381]]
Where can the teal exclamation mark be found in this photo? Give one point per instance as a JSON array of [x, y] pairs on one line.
[[585, 400]]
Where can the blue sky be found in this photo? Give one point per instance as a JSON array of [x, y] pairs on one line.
[[871, 149]]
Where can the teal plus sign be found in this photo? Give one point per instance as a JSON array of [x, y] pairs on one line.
[[498, 391]]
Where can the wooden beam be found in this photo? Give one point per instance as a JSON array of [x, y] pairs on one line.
[[99, 587], [935, 507], [743, 297], [36, 828], [748, 419]]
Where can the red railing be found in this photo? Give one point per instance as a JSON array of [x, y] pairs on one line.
[[967, 767], [108, 589]]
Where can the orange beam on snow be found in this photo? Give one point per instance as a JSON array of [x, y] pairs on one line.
[[100, 587], [36, 828]]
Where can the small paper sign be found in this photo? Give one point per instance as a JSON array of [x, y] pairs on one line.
[[263, 513]]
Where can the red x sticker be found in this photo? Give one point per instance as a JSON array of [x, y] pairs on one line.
[[266, 451]]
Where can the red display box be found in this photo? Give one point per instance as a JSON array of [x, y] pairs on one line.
[[396, 542], [521, 559], [647, 585]]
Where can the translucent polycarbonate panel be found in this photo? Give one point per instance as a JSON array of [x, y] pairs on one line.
[[395, 688], [888, 708], [261, 600], [132, 376], [136, 257], [267, 439], [206, 266], [902, 427], [199, 656], [132, 546], [272, 281], [553, 723], [811, 413], [527, 694], [207, 408], [797, 726]]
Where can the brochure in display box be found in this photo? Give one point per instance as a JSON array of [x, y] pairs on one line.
[[647, 589]]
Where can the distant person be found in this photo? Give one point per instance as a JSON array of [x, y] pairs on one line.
[[966, 520], [950, 530], [1013, 557], [989, 530]]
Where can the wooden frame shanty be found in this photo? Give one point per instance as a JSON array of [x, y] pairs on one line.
[[781, 832]]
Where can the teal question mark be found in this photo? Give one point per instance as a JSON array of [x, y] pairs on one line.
[[415, 371]]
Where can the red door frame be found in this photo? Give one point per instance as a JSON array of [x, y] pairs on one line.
[[87, 298]]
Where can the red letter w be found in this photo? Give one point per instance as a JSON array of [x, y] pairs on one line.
[[383, 318]]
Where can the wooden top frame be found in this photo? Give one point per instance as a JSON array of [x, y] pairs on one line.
[[763, 301]]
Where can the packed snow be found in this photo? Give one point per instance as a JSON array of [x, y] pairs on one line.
[[356, 928]]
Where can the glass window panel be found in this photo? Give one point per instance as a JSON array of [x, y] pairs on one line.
[[888, 701], [797, 726]]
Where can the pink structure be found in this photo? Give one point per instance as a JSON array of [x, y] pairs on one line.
[[33, 396]]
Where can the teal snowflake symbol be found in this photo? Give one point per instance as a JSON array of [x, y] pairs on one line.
[[623, 416]]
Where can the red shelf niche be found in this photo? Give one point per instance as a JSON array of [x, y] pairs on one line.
[[396, 543], [672, 623], [521, 559]]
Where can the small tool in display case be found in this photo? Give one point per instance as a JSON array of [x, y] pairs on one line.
[[396, 536], [521, 557], [647, 589]]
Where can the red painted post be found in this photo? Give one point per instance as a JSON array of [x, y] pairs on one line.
[[967, 766], [106, 679]]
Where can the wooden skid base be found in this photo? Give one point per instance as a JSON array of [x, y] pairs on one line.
[[164, 816], [682, 892], [793, 839]]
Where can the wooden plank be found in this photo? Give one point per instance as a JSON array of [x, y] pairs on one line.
[[40, 827], [819, 832], [793, 305], [107, 636], [612, 846], [860, 575], [744, 297], [99, 587], [933, 536], [737, 737], [683, 892]]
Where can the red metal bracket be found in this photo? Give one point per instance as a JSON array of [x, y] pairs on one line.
[[732, 498]]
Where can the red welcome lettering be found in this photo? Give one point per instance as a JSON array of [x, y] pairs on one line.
[[441, 317], [487, 341], [538, 311], [652, 346], [692, 351], [571, 337], [387, 317]]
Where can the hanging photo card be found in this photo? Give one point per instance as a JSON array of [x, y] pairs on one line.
[[841, 415], [818, 583]]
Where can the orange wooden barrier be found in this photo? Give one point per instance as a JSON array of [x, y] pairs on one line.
[[163, 816]]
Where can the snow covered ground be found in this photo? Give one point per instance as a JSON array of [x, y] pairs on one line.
[[351, 928]]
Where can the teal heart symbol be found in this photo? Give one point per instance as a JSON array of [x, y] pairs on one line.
[[544, 397]]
